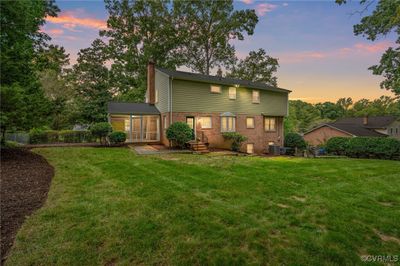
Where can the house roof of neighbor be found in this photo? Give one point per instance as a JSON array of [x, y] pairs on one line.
[[356, 130], [132, 108], [220, 80], [373, 121]]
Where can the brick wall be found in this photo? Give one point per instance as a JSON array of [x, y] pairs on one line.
[[256, 135], [322, 134]]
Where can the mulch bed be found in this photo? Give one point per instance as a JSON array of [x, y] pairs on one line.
[[25, 181]]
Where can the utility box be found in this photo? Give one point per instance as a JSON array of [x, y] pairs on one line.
[[274, 150]]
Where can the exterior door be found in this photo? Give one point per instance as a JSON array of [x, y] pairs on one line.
[[191, 123]]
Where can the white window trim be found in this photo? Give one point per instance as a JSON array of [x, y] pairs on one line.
[[252, 96], [233, 123], [215, 86], [211, 123], [269, 130], [254, 122], [232, 97]]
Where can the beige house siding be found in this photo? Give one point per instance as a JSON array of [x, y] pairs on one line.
[[189, 96], [162, 86], [321, 135], [391, 130]]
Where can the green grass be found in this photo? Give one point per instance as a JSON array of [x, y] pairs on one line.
[[110, 206]]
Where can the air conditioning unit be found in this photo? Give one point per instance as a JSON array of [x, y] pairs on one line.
[[274, 150]]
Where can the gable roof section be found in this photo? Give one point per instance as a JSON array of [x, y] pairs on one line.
[[353, 130], [373, 121], [132, 108], [219, 80]]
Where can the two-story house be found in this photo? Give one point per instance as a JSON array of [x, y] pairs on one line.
[[210, 105]]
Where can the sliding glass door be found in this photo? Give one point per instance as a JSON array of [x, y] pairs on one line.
[[139, 128]]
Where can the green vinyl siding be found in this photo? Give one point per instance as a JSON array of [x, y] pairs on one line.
[[190, 96], [162, 85]]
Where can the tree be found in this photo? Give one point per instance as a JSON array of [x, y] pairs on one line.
[[329, 110], [302, 116], [257, 67], [383, 20], [206, 29], [137, 32], [90, 82], [20, 39], [344, 104]]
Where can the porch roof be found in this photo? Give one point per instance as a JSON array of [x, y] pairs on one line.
[[132, 108]]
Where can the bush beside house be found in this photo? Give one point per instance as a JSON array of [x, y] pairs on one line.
[[236, 138], [294, 141], [101, 131], [179, 133], [117, 137]]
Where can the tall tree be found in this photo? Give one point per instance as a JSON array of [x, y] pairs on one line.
[[91, 84], [257, 67], [344, 104], [384, 19], [20, 40], [207, 28], [137, 32]]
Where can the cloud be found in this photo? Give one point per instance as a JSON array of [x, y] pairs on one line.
[[247, 2], [285, 4], [69, 20], [55, 32], [362, 49], [264, 8]]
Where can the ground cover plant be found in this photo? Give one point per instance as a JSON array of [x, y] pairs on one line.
[[110, 206]]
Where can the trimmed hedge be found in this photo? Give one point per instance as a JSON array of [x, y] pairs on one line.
[[101, 130], [40, 136], [365, 147], [293, 141], [117, 137]]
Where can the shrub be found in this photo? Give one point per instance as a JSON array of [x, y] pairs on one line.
[[293, 141], [179, 133], [37, 136], [117, 137], [101, 131], [375, 147], [236, 138], [75, 136], [337, 145]]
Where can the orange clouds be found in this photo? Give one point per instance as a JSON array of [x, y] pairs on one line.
[[362, 49], [69, 21], [55, 31]]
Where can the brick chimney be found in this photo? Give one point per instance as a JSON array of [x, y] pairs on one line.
[[151, 82], [365, 120]]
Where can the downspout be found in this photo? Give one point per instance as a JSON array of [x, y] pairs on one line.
[[170, 105]]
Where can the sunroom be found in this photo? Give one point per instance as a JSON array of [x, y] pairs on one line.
[[140, 121]]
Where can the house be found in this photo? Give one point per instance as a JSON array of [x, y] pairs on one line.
[[210, 105], [374, 126]]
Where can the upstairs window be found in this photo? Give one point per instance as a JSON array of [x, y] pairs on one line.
[[232, 93], [250, 122], [269, 123], [215, 89], [205, 122], [165, 122], [156, 96], [256, 96]]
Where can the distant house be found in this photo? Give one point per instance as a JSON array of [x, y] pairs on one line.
[[374, 126], [210, 105]]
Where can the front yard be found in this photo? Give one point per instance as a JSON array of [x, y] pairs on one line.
[[109, 206]]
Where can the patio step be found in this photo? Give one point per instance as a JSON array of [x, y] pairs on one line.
[[198, 147]]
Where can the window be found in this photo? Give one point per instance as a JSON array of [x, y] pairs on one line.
[[250, 148], [256, 96], [227, 124], [269, 124], [215, 89], [391, 131], [232, 93], [397, 131], [165, 122], [250, 122], [156, 96], [205, 122]]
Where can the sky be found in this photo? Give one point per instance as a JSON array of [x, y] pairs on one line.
[[320, 58]]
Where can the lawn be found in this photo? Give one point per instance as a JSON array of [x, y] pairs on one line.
[[109, 206]]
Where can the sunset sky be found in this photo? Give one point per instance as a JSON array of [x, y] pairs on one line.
[[320, 58]]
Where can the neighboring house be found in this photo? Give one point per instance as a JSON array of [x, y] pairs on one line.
[[374, 126], [210, 105]]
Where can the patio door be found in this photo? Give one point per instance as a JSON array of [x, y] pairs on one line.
[[192, 124], [136, 128]]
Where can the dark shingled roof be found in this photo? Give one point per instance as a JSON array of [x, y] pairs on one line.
[[373, 121], [219, 80], [132, 108], [356, 130]]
